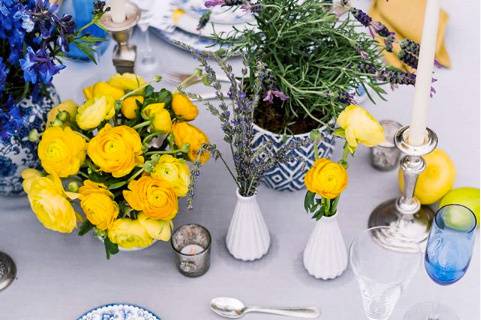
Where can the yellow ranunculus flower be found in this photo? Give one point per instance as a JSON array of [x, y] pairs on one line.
[[61, 151], [129, 106], [153, 197], [49, 202], [175, 172], [101, 89], [68, 105], [116, 150], [94, 111], [185, 133], [326, 178], [98, 205], [129, 234], [151, 109], [183, 107], [157, 229], [126, 81], [360, 127]]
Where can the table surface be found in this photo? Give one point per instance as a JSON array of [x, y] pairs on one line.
[[62, 276]]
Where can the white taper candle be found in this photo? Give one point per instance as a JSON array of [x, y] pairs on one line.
[[424, 73], [117, 10]]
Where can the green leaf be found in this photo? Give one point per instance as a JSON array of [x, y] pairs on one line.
[[110, 247], [85, 227], [117, 185], [86, 49], [339, 132], [309, 201]]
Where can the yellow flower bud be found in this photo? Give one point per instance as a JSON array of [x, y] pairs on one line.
[[94, 111], [360, 127], [126, 81], [61, 151], [185, 133], [183, 107], [101, 89], [161, 121], [157, 229], [326, 178], [129, 234], [129, 106]]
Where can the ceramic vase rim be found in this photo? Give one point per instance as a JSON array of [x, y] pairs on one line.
[[299, 135], [241, 197]]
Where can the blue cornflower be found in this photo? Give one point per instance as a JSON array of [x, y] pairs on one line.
[[37, 65], [27, 22]]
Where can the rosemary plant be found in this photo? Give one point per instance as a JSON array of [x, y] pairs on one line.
[[315, 60]]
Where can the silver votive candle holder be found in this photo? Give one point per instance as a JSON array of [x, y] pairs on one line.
[[191, 244], [385, 156]]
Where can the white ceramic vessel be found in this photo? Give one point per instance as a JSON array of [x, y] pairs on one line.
[[248, 238], [325, 255]]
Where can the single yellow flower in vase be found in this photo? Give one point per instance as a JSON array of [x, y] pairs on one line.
[[360, 127], [326, 178]]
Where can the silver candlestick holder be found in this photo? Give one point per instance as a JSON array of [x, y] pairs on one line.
[[124, 54], [408, 220]]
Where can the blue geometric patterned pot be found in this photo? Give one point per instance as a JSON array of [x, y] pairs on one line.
[[290, 176], [18, 153]]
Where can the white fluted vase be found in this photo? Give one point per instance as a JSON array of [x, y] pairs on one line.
[[248, 238], [325, 255]]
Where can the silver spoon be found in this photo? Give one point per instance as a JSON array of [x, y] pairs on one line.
[[233, 308]]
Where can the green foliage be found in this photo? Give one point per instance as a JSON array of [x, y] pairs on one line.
[[314, 57]]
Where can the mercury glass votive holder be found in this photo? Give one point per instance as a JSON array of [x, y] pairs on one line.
[[192, 243], [385, 156]]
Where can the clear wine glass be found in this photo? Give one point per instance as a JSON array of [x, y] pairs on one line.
[[448, 254], [383, 274], [148, 61]]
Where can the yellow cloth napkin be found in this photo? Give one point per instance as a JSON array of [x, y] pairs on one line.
[[406, 18]]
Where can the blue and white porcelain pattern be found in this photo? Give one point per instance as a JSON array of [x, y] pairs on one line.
[[290, 176], [119, 312], [18, 153]]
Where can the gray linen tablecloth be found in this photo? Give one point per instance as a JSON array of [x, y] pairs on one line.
[[62, 276]]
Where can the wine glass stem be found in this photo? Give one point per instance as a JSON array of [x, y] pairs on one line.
[[434, 314], [148, 47]]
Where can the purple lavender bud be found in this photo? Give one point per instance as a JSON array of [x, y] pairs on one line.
[[279, 94], [214, 3], [268, 97], [361, 16], [381, 29]]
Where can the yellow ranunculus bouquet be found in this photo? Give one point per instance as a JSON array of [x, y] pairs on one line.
[[326, 180], [121, 158]]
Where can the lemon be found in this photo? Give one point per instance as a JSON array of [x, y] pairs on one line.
[[436, 180], [466, 196]]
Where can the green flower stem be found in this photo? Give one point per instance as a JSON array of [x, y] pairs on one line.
[[140, 89], [148, 138], [141, 125], [165, 152], [135, 175]]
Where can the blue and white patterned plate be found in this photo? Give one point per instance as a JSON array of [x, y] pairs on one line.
[[119, 312]]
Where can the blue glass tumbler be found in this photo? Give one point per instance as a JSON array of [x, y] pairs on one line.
[[448, 254]]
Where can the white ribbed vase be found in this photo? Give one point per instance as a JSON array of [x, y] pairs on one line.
[[325, 255], [248, 237]]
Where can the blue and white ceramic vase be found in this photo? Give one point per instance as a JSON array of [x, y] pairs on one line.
[[290, 176], [16, 151]]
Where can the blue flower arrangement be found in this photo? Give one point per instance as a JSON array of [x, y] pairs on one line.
[[33, 39]]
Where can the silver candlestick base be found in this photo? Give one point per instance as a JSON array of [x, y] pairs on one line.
[[8, 270], [124, 54], [409, 221]]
